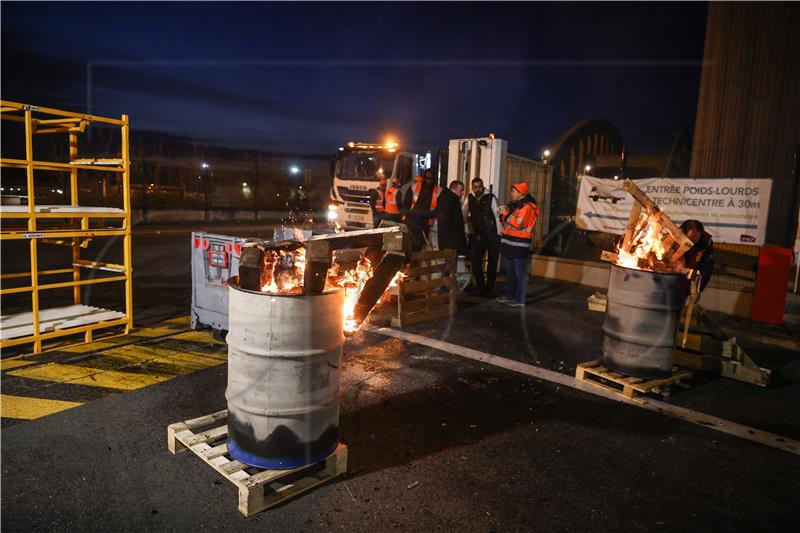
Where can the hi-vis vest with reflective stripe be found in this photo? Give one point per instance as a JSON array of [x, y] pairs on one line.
[[518, 226], [391, 206], [379, 203]]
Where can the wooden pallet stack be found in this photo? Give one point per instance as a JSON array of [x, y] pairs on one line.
[[429, 289]]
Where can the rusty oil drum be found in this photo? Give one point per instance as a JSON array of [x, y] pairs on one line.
[[641, 320], [284, 368]]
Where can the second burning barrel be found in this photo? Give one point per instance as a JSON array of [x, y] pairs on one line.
[[641, 321]]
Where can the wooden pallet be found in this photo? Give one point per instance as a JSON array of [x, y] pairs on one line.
[[429, 290], [630, 387], [258, 489]]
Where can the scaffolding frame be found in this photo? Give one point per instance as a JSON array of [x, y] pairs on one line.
[[76, 232]]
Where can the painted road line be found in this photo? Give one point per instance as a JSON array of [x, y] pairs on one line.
[[9, 364], [29, 408], [695, 417], [93, 377], [183, 361], [204, 337]]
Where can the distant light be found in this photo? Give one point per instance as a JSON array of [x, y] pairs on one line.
[[294, 170], [390, 144], [204, 165], [616, 177], [59, 191], [341, 148], [2, 189], [491, 135], [547, 153], [351, 144], [587, 168], [52, 190], [244, 184]]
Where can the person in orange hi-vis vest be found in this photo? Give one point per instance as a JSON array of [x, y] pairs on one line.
[[518, 219], [391, 205]]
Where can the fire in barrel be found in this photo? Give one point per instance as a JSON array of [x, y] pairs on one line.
[[289, 311], [646, 292]]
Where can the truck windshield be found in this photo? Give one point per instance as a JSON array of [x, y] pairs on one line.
[[364, 166]]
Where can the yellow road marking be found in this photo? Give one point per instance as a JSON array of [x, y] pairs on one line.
[[93, 377], [154, 332], [186, 319], [205, 337], [30, 408], [183, 362], [94, 346], [8, 364]]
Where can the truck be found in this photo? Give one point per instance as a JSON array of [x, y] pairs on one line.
[[357, 169], [488, 158]]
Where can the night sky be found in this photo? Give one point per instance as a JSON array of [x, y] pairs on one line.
[[306, 77]]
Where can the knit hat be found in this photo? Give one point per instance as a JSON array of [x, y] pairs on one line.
[[521, 188]]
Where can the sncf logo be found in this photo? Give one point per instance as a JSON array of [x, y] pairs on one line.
[[747, 238]]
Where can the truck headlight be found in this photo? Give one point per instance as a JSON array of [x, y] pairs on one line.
[[333, 213]]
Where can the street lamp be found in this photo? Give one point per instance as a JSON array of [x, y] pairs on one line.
[[587, 168], [294, 169], [204, 165]]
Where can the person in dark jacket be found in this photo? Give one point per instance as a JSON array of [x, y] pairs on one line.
[[377, 202], [418, 207], [486, 228], [700, 256], [450, 219], [518, 218]]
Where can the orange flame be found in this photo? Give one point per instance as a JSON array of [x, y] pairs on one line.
[[353, 281], [284, 271], [647, 249]]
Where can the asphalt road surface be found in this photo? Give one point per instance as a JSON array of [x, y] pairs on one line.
[[437, 442]]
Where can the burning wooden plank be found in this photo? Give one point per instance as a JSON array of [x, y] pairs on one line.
[[645, 245], [305, 267]]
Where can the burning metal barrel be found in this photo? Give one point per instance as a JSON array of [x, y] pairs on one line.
[[284, 359], [641, 320]]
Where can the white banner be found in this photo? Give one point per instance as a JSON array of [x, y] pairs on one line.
[[732, 210]]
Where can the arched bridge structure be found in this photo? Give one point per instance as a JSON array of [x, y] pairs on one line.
[[575, 148]]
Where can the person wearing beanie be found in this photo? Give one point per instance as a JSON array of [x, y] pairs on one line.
[[518, 219]]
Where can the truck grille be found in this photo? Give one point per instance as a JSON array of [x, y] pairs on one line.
[[350, 195]]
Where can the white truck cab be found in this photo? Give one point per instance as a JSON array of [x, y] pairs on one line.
[[357, 169]]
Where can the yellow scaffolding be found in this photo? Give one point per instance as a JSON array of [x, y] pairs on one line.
[[72, 225]]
